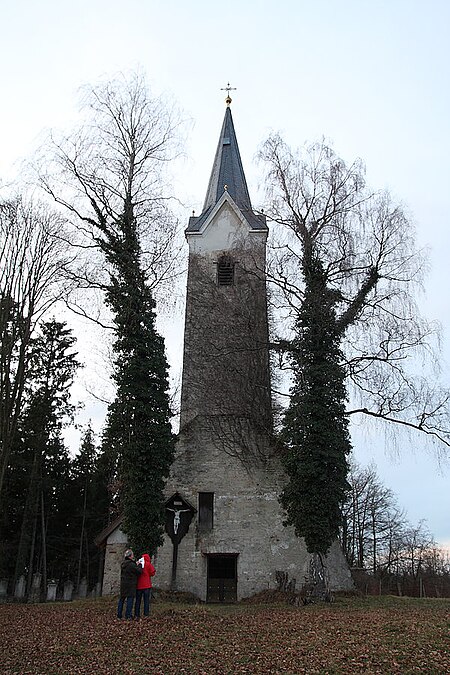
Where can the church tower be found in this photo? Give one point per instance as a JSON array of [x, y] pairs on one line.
[[225, 537], [225, 366]]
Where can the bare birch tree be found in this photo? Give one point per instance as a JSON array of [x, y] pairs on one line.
[[114, 164], [365, 242]]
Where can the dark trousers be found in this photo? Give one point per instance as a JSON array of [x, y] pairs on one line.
[[128, 608], [146, 594]]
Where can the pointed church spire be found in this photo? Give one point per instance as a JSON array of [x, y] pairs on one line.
[[227, 175], [227, 169]]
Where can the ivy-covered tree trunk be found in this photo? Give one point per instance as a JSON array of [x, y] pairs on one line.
[[315, 426], [111, 175], [138, 423]]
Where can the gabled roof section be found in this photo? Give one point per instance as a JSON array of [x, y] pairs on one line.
[[100, 539], [228, 175]]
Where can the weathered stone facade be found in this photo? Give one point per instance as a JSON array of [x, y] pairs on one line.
[[116, 545], [225, 535], [247, 524], [225, 363]]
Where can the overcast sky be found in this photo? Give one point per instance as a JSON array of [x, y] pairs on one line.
[[373, 77]]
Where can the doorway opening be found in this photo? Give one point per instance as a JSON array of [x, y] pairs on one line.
[[222, 577]]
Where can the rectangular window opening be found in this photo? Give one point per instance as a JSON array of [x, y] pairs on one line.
[[225, 273], [205, 510]]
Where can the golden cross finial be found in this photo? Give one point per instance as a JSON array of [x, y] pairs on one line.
[[228, 88]]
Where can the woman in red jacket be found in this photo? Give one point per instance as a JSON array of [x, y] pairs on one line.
[[144, 585]]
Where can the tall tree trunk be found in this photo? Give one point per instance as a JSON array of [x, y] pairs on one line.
[[43, 543], [88, 561], [30, 513], [31, 556], [83, 521], [374, 552]]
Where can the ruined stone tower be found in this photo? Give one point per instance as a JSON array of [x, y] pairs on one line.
[[225, 537]]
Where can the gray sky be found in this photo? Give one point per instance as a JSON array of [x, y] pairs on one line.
[[373, 77]]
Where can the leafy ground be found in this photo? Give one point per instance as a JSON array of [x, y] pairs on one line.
[[381, 635]]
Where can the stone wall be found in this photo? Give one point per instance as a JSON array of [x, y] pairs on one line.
[[116, 545], [248, 521]]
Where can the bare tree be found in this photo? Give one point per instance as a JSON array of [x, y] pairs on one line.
[[390, 554], [373, 523], [365, 242], [377, 537], [115, 163], [33, 276], [417, 544]]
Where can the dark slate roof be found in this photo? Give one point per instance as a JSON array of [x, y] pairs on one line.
[[227, 170], [100, 539]]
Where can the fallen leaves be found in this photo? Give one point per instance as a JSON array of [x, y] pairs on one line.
[[346, 637]]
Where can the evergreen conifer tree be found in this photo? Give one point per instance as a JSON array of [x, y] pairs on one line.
[[40, 458], [89, 500]]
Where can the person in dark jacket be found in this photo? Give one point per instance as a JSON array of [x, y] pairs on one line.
[[144, 586], [129, 574]]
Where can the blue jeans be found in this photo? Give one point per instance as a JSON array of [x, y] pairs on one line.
[[128, 608], [146, 594]]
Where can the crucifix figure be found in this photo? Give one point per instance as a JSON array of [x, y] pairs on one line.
[[228, 89], [177, 528], [176, 518]]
